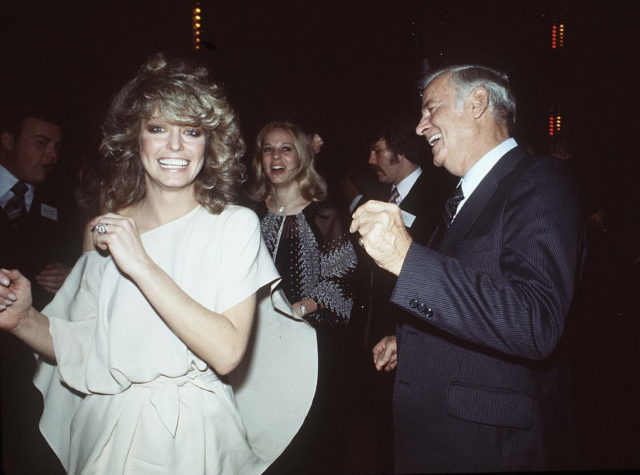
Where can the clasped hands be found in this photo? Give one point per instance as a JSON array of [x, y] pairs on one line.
[[382, 234]]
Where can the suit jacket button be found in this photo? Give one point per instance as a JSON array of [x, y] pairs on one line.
[[422, 308], [413, 303], [429, 313]]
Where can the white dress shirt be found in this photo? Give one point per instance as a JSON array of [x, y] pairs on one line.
[[404, 187], [479, 170], [7, 180]]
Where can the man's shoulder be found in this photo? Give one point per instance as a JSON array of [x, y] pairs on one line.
[[534, 168], [431, 188]]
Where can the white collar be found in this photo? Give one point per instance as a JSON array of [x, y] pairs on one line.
[[482, 167], [404, 187], [7, 180]]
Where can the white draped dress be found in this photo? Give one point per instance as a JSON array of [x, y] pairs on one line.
[[128, 396]]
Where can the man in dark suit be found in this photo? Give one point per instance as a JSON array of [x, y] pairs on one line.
[[395, 155], [38, 235], [482, 382]]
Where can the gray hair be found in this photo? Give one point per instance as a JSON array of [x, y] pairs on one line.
[[465, 78]]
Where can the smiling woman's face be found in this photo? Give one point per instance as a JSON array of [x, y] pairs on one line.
[[280, 160], [172, 155]]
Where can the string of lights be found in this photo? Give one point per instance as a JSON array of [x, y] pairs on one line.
[[197, 25]]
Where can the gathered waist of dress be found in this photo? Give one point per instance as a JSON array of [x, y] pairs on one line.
[[204, 379], [165, 393]]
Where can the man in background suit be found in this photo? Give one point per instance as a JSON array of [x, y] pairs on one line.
[[482, 382], [38, 235], [395, 155]]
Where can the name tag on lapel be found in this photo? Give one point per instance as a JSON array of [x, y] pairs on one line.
[[408, 218], [49, 212]]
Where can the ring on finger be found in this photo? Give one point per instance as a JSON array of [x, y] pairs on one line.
[[101, 228]]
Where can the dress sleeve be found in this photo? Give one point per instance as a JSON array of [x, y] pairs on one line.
[[245, 258], [72, 317], [72, 320], [337, 265]]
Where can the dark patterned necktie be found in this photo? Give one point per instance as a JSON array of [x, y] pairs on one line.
[[395, 196], [16, 206], [450, 207]]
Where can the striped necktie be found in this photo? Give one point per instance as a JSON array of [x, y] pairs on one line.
[[16, 207], [395, 196]]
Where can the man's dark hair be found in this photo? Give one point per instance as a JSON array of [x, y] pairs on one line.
[[13, 118], [399, 131]]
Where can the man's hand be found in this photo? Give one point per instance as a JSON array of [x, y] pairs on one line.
[[52, 277], [385, 354], [382, 234]]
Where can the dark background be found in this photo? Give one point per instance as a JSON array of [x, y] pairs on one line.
[[336, 63], [340, 64]]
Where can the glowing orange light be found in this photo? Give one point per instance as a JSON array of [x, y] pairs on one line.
[[196, 17], [554, 121]]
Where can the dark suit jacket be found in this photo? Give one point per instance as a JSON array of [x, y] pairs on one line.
[[425, 201], [481, 381], [49, 233], [36, 241]]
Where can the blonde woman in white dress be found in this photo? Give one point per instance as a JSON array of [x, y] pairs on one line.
[[172, 304]]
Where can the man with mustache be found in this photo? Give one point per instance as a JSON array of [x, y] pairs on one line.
[[395, 155]]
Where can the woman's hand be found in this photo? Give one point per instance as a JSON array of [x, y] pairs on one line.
[[18, 316], [15, 298], [119, 235], [305, 307]]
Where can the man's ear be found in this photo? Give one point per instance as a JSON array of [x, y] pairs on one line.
[[7, 141], [479, 101]]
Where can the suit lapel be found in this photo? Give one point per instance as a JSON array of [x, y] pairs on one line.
[[411, 203], [478, 200]]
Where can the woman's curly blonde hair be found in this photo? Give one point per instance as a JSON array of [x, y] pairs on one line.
[[180, 93]]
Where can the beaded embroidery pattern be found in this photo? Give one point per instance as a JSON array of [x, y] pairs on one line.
[[322, 270]]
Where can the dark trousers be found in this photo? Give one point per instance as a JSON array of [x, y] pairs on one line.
[[24, 449]]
